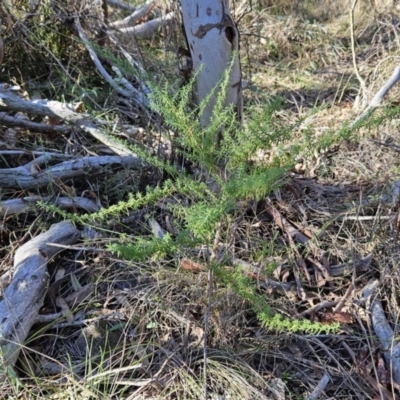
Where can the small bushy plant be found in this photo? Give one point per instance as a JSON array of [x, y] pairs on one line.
[[229, 175], [236, 177]]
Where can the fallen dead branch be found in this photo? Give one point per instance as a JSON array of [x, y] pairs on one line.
[[132, 19], [32, 126], [19, 152], [121, 5], [11, 101], [315, 308], [26, 204], [30, 175], [378, 98], [140, 73], [382, 329], [148, 28], [266, 283], [361, 265], [123, 87], [24, 297]]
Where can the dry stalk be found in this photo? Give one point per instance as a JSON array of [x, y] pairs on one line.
[[353, 50]]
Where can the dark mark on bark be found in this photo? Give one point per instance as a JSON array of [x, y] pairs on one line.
[[204, 29], [227, 25], [237, 84]]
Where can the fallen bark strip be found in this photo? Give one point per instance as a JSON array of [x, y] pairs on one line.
[[26, 204], [30, 175], [8, 120], [361, 265], [10, 101], [383, 330], [320, 388], [24, 297]]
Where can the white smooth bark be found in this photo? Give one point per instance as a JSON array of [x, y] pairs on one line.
[[24, 297], [213, 40]]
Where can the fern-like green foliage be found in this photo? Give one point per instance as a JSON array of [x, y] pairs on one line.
[[231, 167], [156, 248], [247, 289]]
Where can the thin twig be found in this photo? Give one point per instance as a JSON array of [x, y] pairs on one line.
[[353, 50], [349, 290], [315, 308], [392, 146]]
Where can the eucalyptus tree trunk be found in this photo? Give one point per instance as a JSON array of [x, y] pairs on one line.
[[213, 40]]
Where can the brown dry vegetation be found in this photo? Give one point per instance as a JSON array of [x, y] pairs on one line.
[[159, 329]]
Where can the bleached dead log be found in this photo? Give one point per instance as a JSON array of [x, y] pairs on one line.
[[31, 175], [26, 204], [10, 101], [132, 19], [8, 120], [383, 330], [24, 297], [149, 28], [213, 42]]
